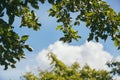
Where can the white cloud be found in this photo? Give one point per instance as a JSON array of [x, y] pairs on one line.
[[91, 53]]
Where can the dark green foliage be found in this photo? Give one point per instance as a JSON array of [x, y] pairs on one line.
[[11, 44], [115, 67], [102, 21]]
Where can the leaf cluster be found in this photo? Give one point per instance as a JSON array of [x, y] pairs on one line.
[[102, 20], [115, 67], [11, 44]]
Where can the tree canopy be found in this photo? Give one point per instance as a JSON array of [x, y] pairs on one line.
[[60, 71], [11, 44], [102, 21]]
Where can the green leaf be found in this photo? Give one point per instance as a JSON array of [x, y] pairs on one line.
[[42, 1], [96, 38], [12, 61], [6, 67], [105, 37], [1, 14], [35, 6], [90, 14], [59, 27], [91, 35], [28, 48], [77, 23], [24, 38], [116, 43], [13, 66], [11, 19], [51, 1]]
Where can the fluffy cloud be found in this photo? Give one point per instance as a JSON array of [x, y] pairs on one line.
[[91, 53]]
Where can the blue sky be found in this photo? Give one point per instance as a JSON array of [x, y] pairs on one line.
[[46, 36]]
